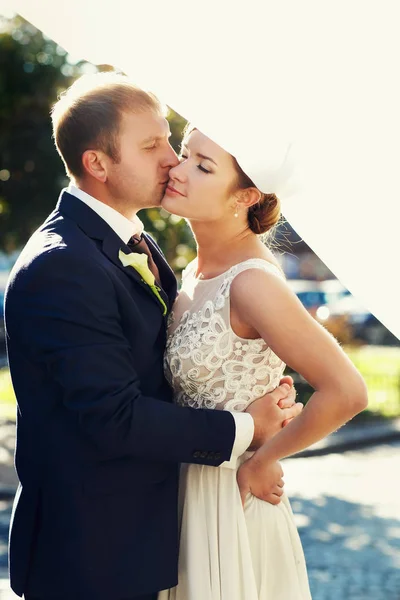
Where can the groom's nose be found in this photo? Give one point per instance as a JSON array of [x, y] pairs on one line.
[[170, 159]]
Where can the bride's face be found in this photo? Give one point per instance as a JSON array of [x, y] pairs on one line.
[[200, 187]]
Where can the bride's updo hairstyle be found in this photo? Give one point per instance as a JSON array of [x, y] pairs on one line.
[[266, 213]]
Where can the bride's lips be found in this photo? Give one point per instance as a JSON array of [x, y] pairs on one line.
[[173, 191]]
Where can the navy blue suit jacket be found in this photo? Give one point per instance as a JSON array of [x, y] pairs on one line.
[[99, 440]]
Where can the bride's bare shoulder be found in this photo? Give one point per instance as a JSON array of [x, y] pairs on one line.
[[270, 257]]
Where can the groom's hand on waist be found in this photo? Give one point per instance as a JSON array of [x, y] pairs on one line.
[[273, 411]]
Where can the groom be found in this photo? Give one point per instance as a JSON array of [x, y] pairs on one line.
[[99, 440]]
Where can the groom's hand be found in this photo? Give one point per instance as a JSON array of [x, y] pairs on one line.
[[273, 411]]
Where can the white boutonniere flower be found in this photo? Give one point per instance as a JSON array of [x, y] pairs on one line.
[[140, 263]]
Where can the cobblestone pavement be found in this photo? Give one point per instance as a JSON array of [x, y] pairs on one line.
[[347, 508], [5, 513]]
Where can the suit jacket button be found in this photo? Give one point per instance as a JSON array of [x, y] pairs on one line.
[[196, 454], [217, 455], [211, 455], [204, 454]]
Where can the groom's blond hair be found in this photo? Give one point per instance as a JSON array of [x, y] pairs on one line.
[[88, 116]]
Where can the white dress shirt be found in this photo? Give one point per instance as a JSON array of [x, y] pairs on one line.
[[125, 228]]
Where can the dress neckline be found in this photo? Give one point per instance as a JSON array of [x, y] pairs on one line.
[[198, 280]]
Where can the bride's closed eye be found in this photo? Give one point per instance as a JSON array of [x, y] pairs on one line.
[[184, 157]]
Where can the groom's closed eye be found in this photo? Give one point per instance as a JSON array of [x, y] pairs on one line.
[[152, 143]]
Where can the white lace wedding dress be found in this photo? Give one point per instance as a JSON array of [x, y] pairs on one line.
[[226, 552]]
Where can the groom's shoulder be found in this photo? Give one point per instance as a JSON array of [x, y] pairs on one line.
[[54, 249]]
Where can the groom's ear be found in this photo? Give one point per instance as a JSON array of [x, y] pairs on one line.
[[95, 164]]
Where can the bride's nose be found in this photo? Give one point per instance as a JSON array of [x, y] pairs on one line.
[[178, 173]]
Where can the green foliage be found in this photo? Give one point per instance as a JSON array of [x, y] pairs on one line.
[[380, 368], [177, 124], [7, 396], [33, 72]]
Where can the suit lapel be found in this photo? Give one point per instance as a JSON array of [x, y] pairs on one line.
[[167, 275], [97, 228], [112, 244]]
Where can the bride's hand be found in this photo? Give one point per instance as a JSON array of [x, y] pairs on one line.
[[261, 479]]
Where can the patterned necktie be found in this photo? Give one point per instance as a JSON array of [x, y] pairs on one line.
[[137, 243]]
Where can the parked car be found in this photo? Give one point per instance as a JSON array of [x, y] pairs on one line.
[[309, 293], [330, 303], [364, 326], [333, 290], [317, 294]]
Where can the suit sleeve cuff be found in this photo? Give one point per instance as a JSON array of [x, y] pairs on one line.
[[243, 437]]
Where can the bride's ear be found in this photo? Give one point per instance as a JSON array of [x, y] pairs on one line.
[[248, 197]]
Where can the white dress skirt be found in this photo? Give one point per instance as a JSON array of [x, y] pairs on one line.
[[227, 551]]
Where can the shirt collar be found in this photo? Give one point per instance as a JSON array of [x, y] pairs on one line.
[[122, 226]]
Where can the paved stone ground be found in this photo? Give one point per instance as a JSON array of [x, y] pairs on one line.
[[8, 477], [347, 508]]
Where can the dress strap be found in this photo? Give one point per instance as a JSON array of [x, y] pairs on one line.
[[251, 263]]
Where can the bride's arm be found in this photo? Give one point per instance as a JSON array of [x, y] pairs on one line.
[[275, 313]]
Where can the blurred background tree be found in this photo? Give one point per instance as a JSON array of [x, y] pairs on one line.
[[34, 70]]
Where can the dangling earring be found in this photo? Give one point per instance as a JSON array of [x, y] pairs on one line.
[[236, 212]]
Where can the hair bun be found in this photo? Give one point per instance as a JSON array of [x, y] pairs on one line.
[[264, 215]]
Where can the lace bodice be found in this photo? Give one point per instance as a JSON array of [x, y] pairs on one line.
[[206, 363]]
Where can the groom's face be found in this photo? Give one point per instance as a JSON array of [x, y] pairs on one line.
[[140, 177]]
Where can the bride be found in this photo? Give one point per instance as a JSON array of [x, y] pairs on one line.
[[234, 326]]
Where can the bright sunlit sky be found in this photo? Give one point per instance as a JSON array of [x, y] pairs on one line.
[[257, 76]]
